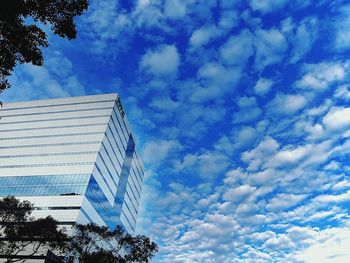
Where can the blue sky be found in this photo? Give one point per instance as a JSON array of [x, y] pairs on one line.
[[241, 113]]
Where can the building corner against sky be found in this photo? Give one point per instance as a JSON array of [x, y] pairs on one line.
[[74, 158]]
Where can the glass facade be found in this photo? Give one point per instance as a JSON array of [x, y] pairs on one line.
[[74, 158]]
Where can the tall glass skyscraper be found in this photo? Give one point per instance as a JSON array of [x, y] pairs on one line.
[[74, 158]]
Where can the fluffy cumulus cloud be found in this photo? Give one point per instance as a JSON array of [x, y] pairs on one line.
[[321, 76], [337, 118], [156, 151], [237, 194], [248, 110], [303, 37], [203, 35], [214, 81], [263, 86], [240, 111], [57, 79], [286, 104], [267, 6], [342, 32], [174, 9], [330, 245], [270, 46], [237, 49], [284, 201], [164, 61]]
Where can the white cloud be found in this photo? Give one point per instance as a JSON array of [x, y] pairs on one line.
[[321, 76], [248, 110], [270, 46], [287, 157], [54, 80], [286, 104], [260, 154], [143, 3], [238, 49], [345, 184], [342, 29], [337, 118], [175, 9], [342, 93], [253, 255], [326, 198], [267, 6], [284, 201], [164, 104], [229, 19], [333, 165], [330, 246], [207, 165], [241, 138], [263, 86], [103, 22], [298, 234], [281, 241], [234, 176], [164, 61], [148, 14], [156, 151], [303, 38], [238, 193], [203, 35], [216, 80], [244, 136]]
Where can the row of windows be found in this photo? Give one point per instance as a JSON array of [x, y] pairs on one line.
[[137, 187], [137, 164], [109, 171], [57, 208], [115, 110], [44, 185], [116, 129], [51, 112], [55, 127], [57, 119], [58, 105], [123, 131], [31, 180], [104, 179], [43, 190], [137, 177], [133, 207], [49, 144], [49, 136], [46, 154], [125, 173], [45, 165], [109, 133], [135, 203]]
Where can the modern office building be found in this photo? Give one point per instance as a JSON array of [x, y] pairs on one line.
[[74, 158]]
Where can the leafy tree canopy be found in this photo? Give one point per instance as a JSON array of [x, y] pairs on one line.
[[20, 41], [97, 244], [20, 232]]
